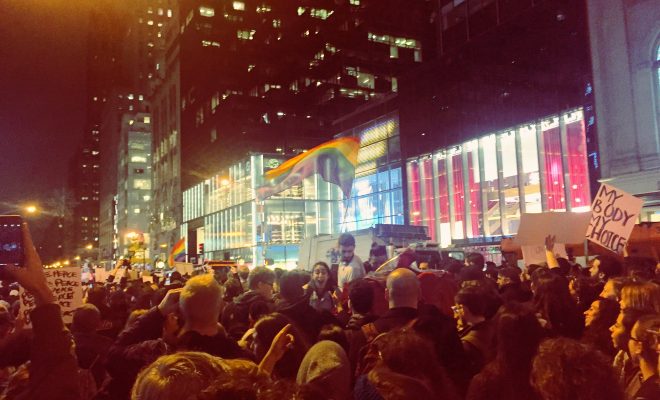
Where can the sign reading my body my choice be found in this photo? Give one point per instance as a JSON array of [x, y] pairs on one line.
[[614, 213], [66, 287]]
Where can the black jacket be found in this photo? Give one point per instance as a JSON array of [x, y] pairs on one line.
[[236, 315]]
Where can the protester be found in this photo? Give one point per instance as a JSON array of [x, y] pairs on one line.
[[644, 353], [360, 305], [235, 316], [626, 371], [326, 368], [564, 369], [641, 296], [613, 287], [553, 303], [507, 376], [510, 286], [597, 322], [320, 289], [266, 330], [185, 375], [91, 347], [476, 328], [405, 368], [350, 266], [438, 291], [53, 371], [605, 268]]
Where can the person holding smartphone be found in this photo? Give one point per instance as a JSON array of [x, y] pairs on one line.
[[53, 366]]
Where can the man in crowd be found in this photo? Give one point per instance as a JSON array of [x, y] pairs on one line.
[[235, 317], [350, 265]]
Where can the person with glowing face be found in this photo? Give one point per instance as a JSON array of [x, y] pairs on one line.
[[644, 354]]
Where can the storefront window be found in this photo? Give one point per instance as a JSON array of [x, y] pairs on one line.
[[490, 187], [530, 164], [459, 194], [429, 199], [443, 200], [577, 161], [414, 201], [510, 182], [552, 159]]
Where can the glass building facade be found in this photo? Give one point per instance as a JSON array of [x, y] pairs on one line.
[[478, 189], [224, 215]]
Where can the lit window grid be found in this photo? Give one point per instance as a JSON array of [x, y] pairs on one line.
[[423, 198]]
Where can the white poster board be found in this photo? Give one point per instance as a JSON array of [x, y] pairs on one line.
[[147, 278], [613, 216], [567, 227], [183, 267], [536, 254], [66, 287], [100, 274]]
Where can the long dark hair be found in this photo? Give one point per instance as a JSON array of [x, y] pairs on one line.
[[329, 284], [519, 334], [553, 301], [267, 328]]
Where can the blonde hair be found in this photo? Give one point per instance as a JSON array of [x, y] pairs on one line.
[[643, 296], [201, 299], [178, 376]]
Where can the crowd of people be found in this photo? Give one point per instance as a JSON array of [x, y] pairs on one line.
[[469, 330]]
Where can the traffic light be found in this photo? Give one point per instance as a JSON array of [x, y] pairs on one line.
[[200, 248]]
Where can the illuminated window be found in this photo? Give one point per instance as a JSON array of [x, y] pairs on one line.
[[150, 22], [264, 8], [144, 184], [169, 13], [395, 84], [366, 80], [301, 10], [246, 35], [320, 13], [140, 97], [147, 120], [394, 52], [354, 2], [210, 43], [214, 135], [238, 6], [140, 159], [277, 23], [136, 211], [207, 11]]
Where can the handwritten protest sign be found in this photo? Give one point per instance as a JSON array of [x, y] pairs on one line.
[[613, 216], [184, 268], [66, 287]]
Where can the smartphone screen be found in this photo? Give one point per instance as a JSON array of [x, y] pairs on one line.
[[11, 240]]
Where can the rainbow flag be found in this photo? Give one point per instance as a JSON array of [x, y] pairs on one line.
[[178, 252], [335, 161]]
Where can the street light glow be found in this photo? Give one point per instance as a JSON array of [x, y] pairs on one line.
[[31, 209], [89, 246]]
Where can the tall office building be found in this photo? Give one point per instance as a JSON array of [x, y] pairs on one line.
[[266, 76]]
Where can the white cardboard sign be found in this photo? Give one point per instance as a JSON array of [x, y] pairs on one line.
[[567, 227], [613, 216], [66, 287], [536, 254]]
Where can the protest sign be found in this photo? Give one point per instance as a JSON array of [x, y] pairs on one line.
[[613, 216], [184, 268], [147, 278], [536, 254], [100, 274], [567, 227], [67, 290]]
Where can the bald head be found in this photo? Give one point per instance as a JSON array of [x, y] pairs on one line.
[[402, 288]]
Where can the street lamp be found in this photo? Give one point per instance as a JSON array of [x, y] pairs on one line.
[[89, 246], [31, 209]]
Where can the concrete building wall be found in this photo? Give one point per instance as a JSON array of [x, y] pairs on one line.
[[624, 36]]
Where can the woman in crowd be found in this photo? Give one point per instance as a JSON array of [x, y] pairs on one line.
[[406, 368], [643, 350], [321, 289], [641, 296], [266, 329], [597, 321], [565, 369], [626, 371], [507, 376], [555, 306], [613, 287]]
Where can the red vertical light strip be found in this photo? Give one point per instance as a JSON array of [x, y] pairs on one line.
[[429, 200], [577, 164], [554, 178], [415, 200], [459, 195], [443, 191]]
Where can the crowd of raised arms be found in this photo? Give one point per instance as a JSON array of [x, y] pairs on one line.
[[469, 330]]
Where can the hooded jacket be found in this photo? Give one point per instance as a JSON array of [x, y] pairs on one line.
[[236, 315], [326, 368]]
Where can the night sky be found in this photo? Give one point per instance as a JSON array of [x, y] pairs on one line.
[[42, 89]]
